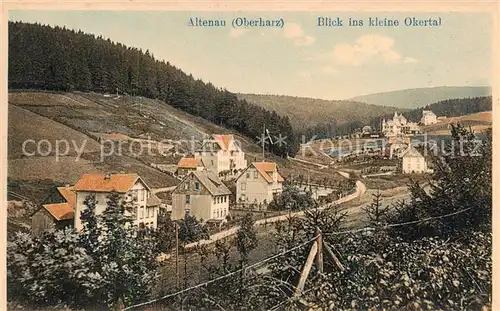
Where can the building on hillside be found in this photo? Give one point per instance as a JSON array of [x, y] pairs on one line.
[[413, 161], [57, 210], [428, 117], [258, 184], [201, 194], [131, 187], [187, 165], [399, 125], [222, 155]]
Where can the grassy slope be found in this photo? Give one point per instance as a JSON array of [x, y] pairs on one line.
[[304, 112], [478, 121], [415, 98]]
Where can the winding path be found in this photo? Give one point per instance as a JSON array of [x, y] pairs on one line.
[[360, 189]]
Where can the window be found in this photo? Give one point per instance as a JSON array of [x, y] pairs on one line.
[[243, 198], [243, 186], [225, 199], [215, 200], [134, 195], [255, 174], [188, 199], [141, 212], [197, 186], [218, 200], [248, 174], [141, 195], [212, 162]]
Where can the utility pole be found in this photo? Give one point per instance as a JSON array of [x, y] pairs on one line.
[[177, 254], [263, 143]]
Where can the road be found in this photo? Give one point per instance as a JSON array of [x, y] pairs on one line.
[[360, 190]]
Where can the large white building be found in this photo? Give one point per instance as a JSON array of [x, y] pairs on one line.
[[221, 153], [399, 125], [259, 183], [428, 117], [132, 189], [413, 161], [201, 194]]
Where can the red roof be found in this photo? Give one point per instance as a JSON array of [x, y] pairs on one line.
[[223, 140], [60, 211], [190, 163], [100, 183], [266, 169], [69, 195]]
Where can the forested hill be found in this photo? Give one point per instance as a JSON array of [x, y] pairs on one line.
[[448, 108], [54, 58], [310, 112], [416, 98]]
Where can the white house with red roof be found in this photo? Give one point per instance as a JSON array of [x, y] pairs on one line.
[[259, 183], [132, 188], [221, 153]]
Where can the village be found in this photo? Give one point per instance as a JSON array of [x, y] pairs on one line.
[[205, 174]]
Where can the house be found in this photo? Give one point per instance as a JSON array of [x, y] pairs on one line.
[[132, 188], [413, 161], [201, 194], [428, 117], [399, 125], [259, 183], [221, 154], [187, 165], [57, 210]]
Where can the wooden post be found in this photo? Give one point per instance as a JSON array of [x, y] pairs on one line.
[[306, 269], [334, 258], [319, 256], [177, 254]]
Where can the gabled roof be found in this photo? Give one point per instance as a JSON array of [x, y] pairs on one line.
[[411, 152], [266, 170], [60, 211], [190, 163], [208, 179], [102, 183], [68, 193], [223, 140]]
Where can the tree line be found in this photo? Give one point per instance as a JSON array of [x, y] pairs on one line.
[[57, 59], [447, 108]]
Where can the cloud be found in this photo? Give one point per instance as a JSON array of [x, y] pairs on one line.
[[237, 32], [295, 32], [365, 49]]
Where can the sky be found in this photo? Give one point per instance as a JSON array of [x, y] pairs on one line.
[[301, 59]]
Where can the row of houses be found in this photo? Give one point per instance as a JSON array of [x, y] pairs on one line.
[[399, 125], [204, 195], [200, 193]]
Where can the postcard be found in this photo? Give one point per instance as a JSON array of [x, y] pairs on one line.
[[233, 157]]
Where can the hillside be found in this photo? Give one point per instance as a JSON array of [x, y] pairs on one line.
[[57, 59], [80, 119], [478, 122], [307, 112], [415, 98]]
